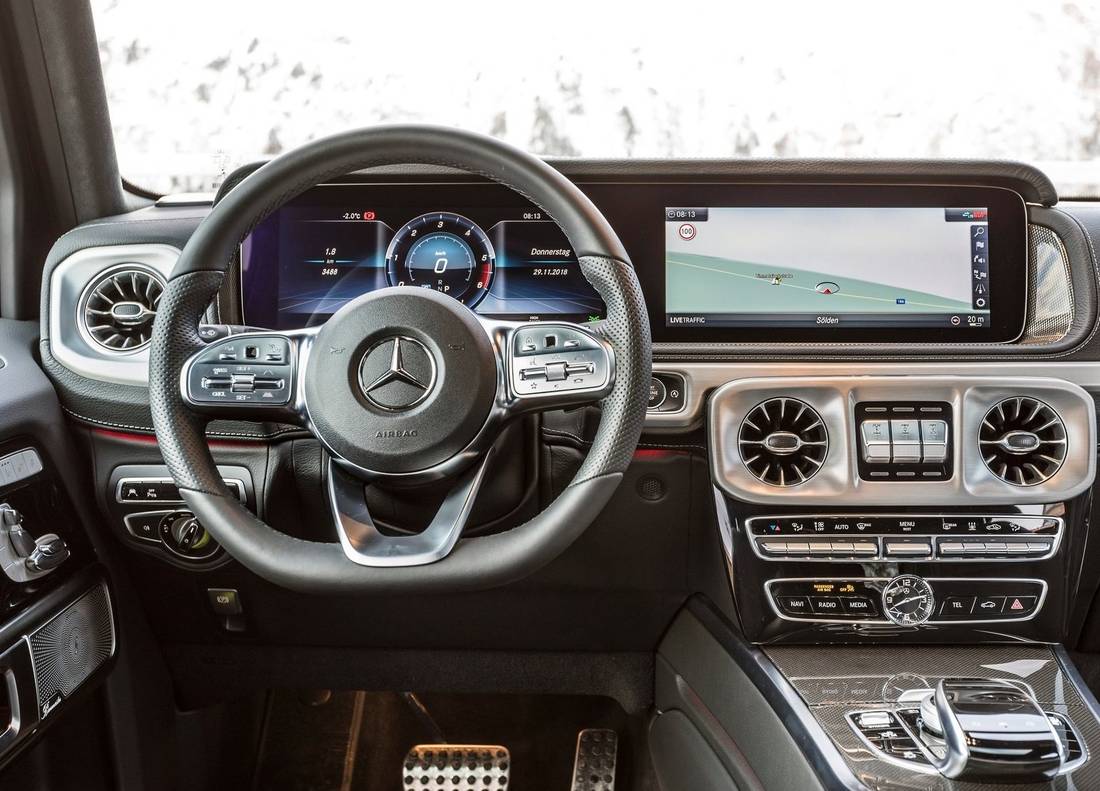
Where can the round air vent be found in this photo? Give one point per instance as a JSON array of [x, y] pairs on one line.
[[783, 441], [118, 308], [1022, 441]]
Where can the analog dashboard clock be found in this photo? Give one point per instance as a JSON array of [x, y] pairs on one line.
[[908, 600]]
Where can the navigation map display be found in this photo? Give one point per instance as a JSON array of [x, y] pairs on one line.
[[842, 267]]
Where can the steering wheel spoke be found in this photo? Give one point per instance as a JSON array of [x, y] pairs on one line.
[[251, 376], [551, 365], [366, 545]]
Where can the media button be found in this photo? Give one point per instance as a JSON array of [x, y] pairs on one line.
[[858, 605]]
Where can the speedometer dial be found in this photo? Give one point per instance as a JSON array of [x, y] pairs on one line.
[[908, 600], [445, 252]]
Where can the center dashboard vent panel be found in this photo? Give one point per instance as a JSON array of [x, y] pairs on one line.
[[1023, 441], [118, 308], [783, 441]]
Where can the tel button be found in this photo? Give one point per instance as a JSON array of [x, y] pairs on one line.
[[957, 607]]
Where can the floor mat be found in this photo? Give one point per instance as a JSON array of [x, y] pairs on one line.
[[357, 741]]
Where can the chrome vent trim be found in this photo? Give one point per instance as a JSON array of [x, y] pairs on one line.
[[1050, 288], [69, 343], [783, 441], [1023, 441], [117, 309]]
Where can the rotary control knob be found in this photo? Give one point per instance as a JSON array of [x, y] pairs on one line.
[[184, 535]]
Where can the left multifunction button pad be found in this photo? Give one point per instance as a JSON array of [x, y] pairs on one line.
[[255, 369]]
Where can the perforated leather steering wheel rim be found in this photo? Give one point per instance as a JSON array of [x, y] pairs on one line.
[[474, 563]]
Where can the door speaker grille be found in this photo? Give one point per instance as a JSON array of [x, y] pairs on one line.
[[66, 650]]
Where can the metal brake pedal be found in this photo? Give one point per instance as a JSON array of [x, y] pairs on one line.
[[451, 766], [594, 766]]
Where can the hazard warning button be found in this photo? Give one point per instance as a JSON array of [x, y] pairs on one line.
[[1019, 606]]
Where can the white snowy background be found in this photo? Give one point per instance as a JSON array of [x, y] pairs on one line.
[[199, 87]]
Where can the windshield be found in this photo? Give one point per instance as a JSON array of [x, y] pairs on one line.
[[198, 88]]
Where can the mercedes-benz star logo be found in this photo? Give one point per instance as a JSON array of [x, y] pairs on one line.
[[397, 373]]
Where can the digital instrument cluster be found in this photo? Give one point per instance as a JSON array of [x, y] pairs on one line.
[[314, 255]]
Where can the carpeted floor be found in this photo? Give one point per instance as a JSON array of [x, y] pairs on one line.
[[356, 741]]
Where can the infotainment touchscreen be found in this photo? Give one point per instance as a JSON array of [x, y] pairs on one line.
[[829, 267]]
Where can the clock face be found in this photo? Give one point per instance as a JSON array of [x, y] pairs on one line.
[[908, 600]]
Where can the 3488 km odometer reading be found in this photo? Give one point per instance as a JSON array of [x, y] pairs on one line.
[[445, 252]]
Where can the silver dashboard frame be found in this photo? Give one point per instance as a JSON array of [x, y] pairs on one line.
[[838, 481]]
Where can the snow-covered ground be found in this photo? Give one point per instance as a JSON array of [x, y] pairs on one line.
[[199, 87]]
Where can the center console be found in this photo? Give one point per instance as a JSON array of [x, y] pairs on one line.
[[860, 514]]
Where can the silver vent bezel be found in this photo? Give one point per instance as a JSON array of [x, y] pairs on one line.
[[91, 288], [1060, 443], [839, 482], [68, 345], [811, 456]]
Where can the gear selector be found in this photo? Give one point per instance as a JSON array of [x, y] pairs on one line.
[[991, 731]]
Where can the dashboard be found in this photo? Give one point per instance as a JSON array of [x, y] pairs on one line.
[[734, 264]]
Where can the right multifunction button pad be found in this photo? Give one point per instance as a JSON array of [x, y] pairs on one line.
[[904, 441]]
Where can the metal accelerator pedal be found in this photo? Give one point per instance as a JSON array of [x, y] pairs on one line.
[[444, 767], [594, 766]]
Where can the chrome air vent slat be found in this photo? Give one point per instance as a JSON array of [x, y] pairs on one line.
[[786, 441], [117, 309], [1023, 441]]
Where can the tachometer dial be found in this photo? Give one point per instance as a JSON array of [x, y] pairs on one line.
[[908, 600], [445, 252]]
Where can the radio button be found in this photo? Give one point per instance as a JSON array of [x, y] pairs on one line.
[[825, 605]]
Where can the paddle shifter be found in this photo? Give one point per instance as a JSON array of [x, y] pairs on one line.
[[992, 731]]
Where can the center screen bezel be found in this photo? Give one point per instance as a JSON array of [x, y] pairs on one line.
[[1008, 264]]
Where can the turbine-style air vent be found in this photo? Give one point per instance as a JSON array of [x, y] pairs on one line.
[[1023, 441], [783, 441], [118, 309]]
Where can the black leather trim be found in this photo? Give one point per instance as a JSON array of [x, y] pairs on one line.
[[1034, 185]]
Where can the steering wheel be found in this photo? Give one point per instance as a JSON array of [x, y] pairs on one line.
[[399, 384]]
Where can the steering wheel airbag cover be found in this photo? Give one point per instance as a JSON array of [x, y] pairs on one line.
[[456, 397]]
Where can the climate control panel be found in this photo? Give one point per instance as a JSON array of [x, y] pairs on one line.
[[900, 537]]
